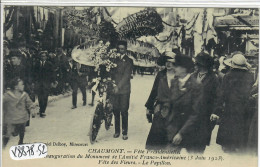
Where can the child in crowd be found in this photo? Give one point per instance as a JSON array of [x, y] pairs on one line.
[[16, 104]]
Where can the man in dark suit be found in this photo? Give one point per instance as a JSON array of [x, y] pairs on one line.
[[15, 68], [122, 76], [77, 78], [207, 94], [44, 78]]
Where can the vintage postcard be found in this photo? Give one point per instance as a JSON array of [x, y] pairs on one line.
[[133, 85]]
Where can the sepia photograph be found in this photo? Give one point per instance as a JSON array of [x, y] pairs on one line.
[[129, 86]]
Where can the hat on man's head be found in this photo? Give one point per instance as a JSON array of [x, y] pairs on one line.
[[43, 52], [205, 60], [15, 53], [5, 42], [36, 42], [238, 61], [184, 61], [40, 30], [122, 43]]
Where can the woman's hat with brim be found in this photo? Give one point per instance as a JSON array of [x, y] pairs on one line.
[[170, 56], [238, 61], [184, 61]]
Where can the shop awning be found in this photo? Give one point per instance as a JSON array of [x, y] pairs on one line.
[[237, 22]]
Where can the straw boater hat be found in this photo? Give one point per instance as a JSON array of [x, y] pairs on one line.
[[238, 61]]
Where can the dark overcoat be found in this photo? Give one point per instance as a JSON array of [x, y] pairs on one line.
[[231, 106], [12, 72], [71, 74], [184, 114], [252, 142], [207, 94], [153, 95], [177, 114], [122, 74], [157, 137]]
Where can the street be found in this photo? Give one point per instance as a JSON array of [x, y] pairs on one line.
[[47, 47], [62, 124]]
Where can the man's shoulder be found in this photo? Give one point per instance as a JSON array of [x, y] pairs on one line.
[[8, 67], [25, 95], [37, 62], [128, 59], [161, 73], [49, 63]]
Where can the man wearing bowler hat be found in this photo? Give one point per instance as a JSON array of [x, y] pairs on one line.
[[122, 76], [15, 68]]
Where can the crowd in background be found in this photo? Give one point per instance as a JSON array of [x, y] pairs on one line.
[[20, 59], [32, 72], [227, 87]]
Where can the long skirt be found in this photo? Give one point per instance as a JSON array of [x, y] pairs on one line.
[[157, 138]]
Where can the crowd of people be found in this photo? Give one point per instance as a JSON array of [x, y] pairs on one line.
[[31, 73], [190, 96], [38, 73]]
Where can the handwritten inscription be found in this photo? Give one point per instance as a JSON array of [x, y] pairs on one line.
[[28, 151]]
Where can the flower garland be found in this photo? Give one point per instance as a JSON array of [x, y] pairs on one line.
[[97, 56], [82, 22], [143, 23], [106, 32]]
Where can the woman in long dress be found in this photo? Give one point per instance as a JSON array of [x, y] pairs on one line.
[[160, 95]]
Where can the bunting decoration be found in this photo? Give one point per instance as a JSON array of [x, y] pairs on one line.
[[165, 40], [142, 48], [9, 20]]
